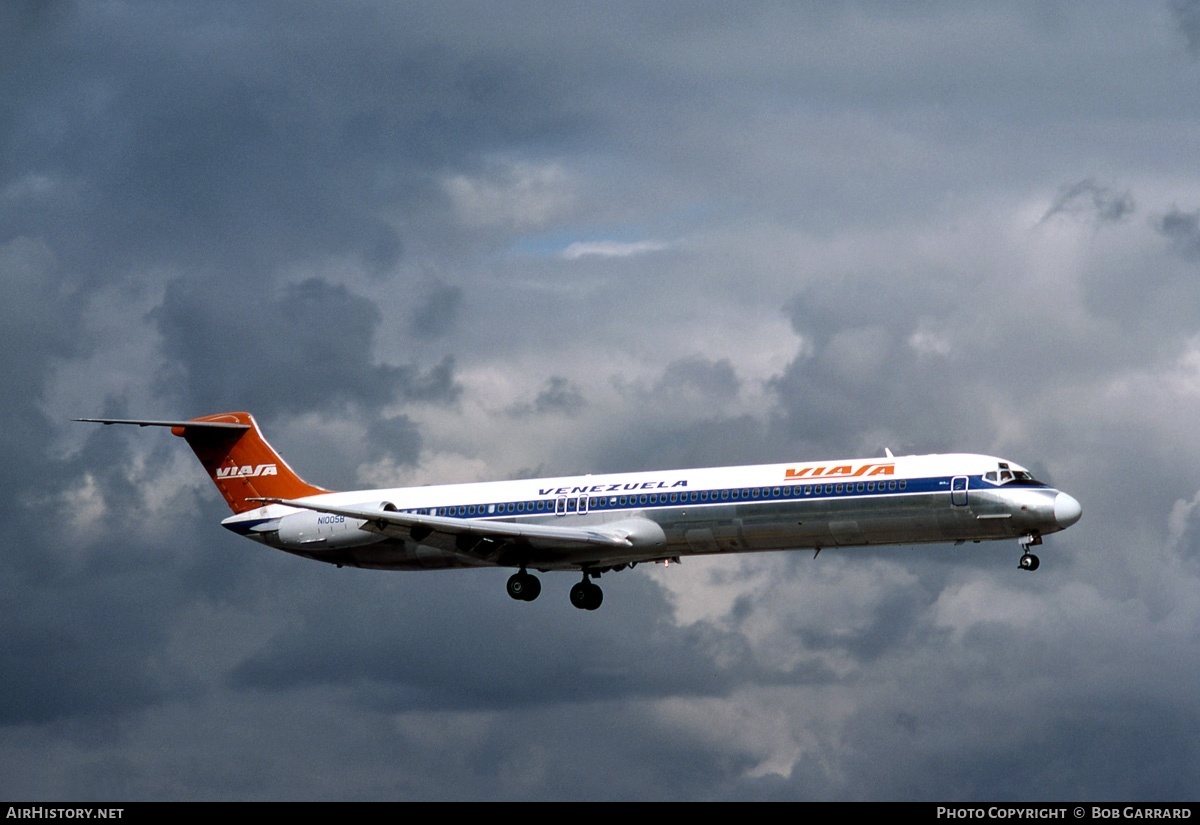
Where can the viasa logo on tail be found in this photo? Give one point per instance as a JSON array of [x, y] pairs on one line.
[[247, 471], [840, 471]]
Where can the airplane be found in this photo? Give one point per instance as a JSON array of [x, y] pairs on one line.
[[595, 524]]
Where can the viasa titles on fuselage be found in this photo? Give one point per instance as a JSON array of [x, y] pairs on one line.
[[605, 523]]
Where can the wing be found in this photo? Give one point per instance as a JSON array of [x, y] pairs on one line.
[[484, 538]]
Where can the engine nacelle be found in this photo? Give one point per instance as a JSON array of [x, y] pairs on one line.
[[311, 530]]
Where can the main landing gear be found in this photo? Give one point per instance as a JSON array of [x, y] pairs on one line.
[[525, 587], [1028, 560], [585, 595]]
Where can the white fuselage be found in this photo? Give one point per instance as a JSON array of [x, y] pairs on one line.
[[813, 505]]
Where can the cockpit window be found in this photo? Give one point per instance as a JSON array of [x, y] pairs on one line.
[[1005, 474]]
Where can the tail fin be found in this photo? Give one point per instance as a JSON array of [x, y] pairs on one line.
[[241, 462], [237, 457]]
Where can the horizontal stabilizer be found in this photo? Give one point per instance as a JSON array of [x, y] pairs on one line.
[[236, 456], [211, 425]]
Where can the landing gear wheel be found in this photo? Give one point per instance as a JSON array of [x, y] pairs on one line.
[[1029, 562], [586, 596], [523, 587]]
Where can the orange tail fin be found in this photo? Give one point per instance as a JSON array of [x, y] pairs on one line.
[[240, 461]]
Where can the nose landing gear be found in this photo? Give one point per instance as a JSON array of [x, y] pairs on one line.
[[1028, 560]]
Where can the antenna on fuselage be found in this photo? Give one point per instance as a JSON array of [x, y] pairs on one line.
[[888, 452]]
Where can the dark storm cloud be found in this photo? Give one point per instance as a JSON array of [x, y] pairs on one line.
[[242, 144], [1182, 229], [1105, 204], [1072, 749], [90, 610], [1187, 19], [1163, 301], [40, 323], [396, 436], [299, 347], [862, 372], [713, 435], [52, 671], [50, 646], [1160, 307], [698, 379], [461, 667], [22, 23], [137, 137], [436, 310], [559, 396]]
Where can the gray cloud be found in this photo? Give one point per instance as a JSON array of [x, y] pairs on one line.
[[1105, 204], [559, 395], [309, 345], [1187, 19], [1182, 229], [438, 309]]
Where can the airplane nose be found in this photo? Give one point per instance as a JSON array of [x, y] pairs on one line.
[[1066, 510]]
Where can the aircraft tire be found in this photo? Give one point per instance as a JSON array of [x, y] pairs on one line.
[[579, 595], [523, 587], [1029, 562], [586, 596]]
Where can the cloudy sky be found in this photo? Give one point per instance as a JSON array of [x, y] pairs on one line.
[[457, 241]]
